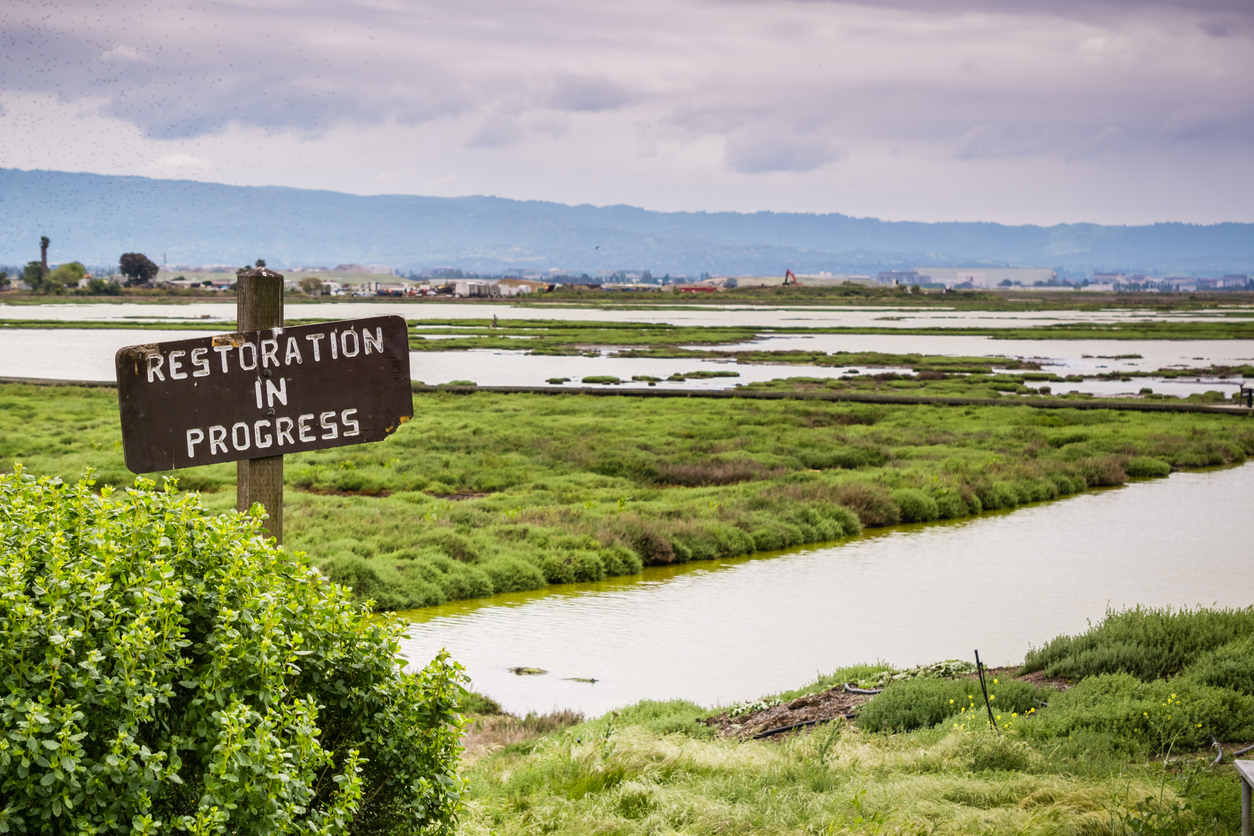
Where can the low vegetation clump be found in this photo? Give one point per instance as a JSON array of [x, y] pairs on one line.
[[1105, 753], [483, 493], [170, 671]]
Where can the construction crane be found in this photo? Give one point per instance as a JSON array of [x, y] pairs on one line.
[[790, 279]]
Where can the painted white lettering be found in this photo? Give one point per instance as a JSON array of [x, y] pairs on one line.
[[217, 438], [344, 343], [251, 363], [222, 350], [155, 362], [199, 361], [349, 422], [257, 391], [235, 436], [280, 392], [283, 429], [332, 431], [175, 365], [334, 350], [303, 429], [263, 441], [293, 352], [315, 339], [194, 436], [375, 339], [269, 353]]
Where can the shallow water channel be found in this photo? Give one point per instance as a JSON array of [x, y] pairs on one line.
[[728, 631]]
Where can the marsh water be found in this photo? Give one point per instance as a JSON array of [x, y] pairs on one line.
[[729, 631], [81, 354]]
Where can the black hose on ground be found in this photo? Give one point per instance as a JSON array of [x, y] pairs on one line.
[[782, 729], [853, 689]]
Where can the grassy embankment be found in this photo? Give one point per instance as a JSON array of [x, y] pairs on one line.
[[487, 493], [1123, 750]]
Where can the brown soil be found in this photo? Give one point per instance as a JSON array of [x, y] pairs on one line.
[[836, 705], [833, 704]]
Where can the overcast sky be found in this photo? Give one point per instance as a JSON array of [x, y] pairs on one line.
[[1014, 111]]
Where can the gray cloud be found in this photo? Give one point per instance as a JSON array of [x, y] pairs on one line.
[[763, 151], [748, 87], [587, 94]]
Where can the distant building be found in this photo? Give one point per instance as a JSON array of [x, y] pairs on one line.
[[984, 276], [899, 277]]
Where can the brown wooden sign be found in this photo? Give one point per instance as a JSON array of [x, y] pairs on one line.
[[255, 394]]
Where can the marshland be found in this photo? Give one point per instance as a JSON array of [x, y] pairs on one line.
[[499, 499]]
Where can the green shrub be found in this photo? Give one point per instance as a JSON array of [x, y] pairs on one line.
[[510, 574], [995, 495], [619, 560], [915, 505], [452, 544], [848, 458], [1229, 666], [1144, 642], [870, 503], [166, 670], [920, 703], [1165, 713], [1146, 467], [949, 505]]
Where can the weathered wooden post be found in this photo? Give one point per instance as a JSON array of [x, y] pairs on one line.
[[259, 307]]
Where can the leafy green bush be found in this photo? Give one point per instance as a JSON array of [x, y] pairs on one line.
[[1162, 714], [919, 703], [915, 505], [166, 670], [1229, 666], [1147, 467], [513, 575], [1145, 642]]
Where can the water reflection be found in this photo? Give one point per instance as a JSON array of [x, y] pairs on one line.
[[739, 629]]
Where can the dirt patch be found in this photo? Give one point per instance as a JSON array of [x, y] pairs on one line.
[[836, 704], [458, 497], [833, 704]]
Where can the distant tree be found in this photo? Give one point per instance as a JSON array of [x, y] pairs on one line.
[[261, 262], [33, 276], [70, 273], [138, 269], [311, 285], [44, 241], [103, 287], [4, 279], [646, 276]]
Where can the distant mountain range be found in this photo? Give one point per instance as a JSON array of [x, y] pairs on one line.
[[95, 218]]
